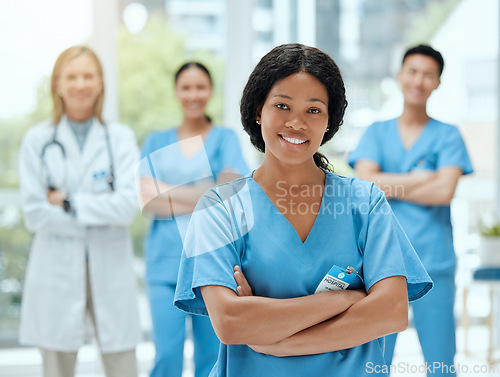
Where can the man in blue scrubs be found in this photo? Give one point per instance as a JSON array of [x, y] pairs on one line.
[[418, 161]]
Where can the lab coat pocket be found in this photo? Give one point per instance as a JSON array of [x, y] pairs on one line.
[[100, 181]]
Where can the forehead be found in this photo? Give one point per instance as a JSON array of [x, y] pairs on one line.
[[82, 62], [300, 84], [421, 62], [193, 74]]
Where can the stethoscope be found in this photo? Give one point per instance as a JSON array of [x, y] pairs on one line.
[[55, 143]]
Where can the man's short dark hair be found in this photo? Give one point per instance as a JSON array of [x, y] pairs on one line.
[[427, 51]]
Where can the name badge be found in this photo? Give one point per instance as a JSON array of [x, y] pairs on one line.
[[100, 182], [336, 279]]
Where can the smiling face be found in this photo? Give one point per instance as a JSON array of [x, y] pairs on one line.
[[419, 77], [193, 89], [294, 119], [79, 85]]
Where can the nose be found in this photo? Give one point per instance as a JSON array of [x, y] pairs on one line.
[[418, 79], [80, 82], [296, 122]]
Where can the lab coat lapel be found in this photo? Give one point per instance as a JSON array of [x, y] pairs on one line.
[[74, 164], [94, 148]]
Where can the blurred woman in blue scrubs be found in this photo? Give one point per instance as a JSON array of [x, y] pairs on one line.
[[292, 227], [418, 161], [178, 165]]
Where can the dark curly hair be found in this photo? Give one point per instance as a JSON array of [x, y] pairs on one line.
[[427, 51], [281, 62]]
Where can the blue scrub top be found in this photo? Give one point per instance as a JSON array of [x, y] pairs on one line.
[[162, 158], [237, 224], [440, 145]]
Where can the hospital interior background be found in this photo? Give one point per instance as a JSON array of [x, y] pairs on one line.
[[142, 43]]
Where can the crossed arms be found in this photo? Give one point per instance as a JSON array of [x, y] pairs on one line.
[[319, 323], [425, 187]]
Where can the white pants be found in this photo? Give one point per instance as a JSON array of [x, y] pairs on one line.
[[62, 364]]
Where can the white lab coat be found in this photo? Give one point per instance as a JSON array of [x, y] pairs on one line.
[[54, 298]]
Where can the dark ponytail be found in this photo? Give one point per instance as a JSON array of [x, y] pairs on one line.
[[322, 162]]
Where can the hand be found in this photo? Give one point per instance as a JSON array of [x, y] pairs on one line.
[[56, 197], [356, 295], [243, 288]]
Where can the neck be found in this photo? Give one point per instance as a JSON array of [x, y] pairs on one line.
[[414, 116], [194, 126], [79, 115], [272, 171]]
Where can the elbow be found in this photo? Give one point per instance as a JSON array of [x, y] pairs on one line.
[[401, 323], [447, 198], [226, 328], [443, 200], [399, 318]]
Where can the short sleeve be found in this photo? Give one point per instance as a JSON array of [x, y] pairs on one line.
[[454, 152], [211, 250], [368, 148], [144, 166], [231, 156], [388, 252]]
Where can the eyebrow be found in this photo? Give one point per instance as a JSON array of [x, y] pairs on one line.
[[290, 98]]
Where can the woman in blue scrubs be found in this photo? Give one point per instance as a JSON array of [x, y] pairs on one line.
[[290, 227], [418, 161], [178, 165]]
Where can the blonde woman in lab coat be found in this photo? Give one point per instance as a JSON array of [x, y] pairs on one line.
[[78, 198]]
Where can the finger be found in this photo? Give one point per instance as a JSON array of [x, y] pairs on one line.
[[242, 282], [239, 291]]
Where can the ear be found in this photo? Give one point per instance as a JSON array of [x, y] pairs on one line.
[[398, 76], [258, 114], [437, 84]]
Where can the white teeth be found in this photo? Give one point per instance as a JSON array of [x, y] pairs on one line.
[[293, 141]]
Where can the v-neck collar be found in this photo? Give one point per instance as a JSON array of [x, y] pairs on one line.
[[204, 141], [317, 220], [419, 138]]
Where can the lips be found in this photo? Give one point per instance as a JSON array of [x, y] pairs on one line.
[[293, 140]]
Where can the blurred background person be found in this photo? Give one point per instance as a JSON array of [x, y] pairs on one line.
[[179, 165], [78, 197], [418, 161]]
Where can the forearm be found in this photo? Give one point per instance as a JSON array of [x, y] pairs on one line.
[[261, 320], [375, 316], [111, 208], [395, 185], [433, 192], [167, 200]]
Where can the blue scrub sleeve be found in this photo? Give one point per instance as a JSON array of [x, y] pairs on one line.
[[211, 251], [368, 148], [231, 155], [454, 153], [144, 167], [388, 252]]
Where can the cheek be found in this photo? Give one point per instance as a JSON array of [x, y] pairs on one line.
[[181, 96]]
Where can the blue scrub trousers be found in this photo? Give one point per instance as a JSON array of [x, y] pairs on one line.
[[169, 333], [435, 325]]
